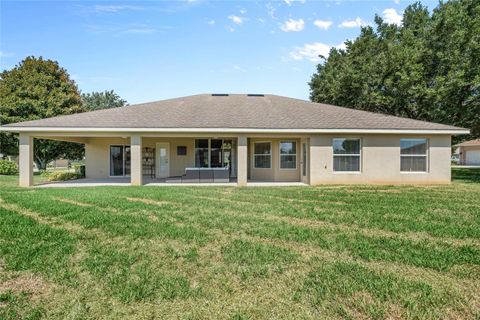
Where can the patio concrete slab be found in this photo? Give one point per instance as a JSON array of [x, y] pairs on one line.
[[122, 182]]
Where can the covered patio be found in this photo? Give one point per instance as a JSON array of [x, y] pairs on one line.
[[164, 159]]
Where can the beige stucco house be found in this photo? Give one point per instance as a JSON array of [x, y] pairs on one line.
[[242, 138], [469, 152]]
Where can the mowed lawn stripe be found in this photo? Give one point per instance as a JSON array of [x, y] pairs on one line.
[[421, 253], [117, 224], [26, 244]]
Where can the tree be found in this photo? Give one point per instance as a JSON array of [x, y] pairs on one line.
[[36, 89], [426, 69], [102, 100]]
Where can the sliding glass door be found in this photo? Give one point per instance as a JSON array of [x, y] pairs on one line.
[[120, 161], [215, 153]]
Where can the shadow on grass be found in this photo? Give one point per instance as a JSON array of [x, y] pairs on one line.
[[470, 175]]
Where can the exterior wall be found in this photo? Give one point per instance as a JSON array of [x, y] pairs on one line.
[[463, 153], [274, 173], [177, 163], [97, 156], [380, 161]]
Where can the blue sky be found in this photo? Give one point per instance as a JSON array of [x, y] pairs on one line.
[[153, 50]]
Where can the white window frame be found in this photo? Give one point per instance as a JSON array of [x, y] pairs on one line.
[[110, 159], [280, 155], [426, 155], [263, 154], [359, 155]]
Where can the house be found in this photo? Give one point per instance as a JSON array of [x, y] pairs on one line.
[[248, 137], [469, 152]]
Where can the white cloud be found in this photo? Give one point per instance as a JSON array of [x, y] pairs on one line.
[[289, 2], [4, 54], [357, 22], [243, 11], [323, 24], [391, 16], [140, 30], [312, 51], [230, 29], [211, 22], [396, 1], [236, 19], [238, 68], [113, 8], [293, 25], [271, 10]]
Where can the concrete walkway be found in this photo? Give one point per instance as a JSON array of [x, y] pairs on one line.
[[122, 182]]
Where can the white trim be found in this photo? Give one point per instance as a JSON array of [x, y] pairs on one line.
[[263, 154], [359, 155], [280, 155], [235, 130]]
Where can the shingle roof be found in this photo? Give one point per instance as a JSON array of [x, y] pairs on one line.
[[475, 142], [233, 111]]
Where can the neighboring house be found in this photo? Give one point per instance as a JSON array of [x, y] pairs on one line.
[[242, 138], [469, 152]]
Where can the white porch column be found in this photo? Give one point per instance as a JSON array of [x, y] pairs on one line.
[[242, 162], [26, 160], [136, 174]]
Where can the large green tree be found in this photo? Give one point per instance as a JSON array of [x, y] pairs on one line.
[[102, 100], [36, 89], [427, 68]]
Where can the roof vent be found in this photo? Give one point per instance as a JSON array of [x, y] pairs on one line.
[[255, 95], [219, 94]]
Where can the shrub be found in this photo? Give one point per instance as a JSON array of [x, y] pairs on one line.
[[8, 167], [80, 170], [60, 175]]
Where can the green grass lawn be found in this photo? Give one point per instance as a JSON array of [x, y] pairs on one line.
[[241, 253]]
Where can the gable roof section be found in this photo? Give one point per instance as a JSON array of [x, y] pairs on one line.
[[470, 143], [235, 112]]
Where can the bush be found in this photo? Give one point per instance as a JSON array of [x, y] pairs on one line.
[[79, 169], [60, 175], [8, 167]]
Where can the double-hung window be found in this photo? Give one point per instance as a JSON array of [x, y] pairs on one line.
[[413, 155], [346, 155], [262, 155], [288, 155]]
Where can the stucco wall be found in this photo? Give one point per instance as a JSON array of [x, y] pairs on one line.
[[97, 153], [274, 173], [380, 161], [97, 156], [177, 163]]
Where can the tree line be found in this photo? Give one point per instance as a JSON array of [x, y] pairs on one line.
[[39, 88], [427, 68]]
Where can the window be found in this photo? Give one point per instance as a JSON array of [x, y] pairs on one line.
[[288, 155], [181, 151], [201, 153], [214, 153], [262, 155], [119, 161], [346, 155], [413, 155]]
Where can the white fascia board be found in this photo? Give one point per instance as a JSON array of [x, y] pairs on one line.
[[235, 130]]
